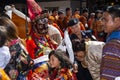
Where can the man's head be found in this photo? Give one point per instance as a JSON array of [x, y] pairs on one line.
[[45, 13], [74, 25], [68, 11], [98, 13], [54, 12], [85, 12], [111, 18], [77, 11], [61, 14]]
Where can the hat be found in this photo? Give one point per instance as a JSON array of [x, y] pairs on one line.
[[51, 18], [60, 12], [92, 14], [33, 9], [73, 21]]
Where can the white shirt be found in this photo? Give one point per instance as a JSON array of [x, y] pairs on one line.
[[4, 56]]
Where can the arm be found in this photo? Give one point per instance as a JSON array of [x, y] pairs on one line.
[[56, 38]]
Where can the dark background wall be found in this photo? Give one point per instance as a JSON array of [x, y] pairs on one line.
[[91, 4]]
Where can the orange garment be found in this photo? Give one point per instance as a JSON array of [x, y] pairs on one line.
[[82, 27], [66, 20], [90, 23], [76, 16], [83, 20], [53, 18], [97, 28], [60, 24]]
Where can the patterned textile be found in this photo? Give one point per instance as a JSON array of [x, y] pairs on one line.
[[62, 74], [20, 61], [110, 67], [40, 71], [42, 45]]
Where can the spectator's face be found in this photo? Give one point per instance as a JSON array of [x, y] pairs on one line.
[[54, 62], [99, 15], [69, 12], [77, 12], [80, 56], [85, 14], [109, 24], [61, 16], [75, 29], [55, 13]]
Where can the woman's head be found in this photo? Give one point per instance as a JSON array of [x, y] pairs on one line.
[[58, 58], [3, 35], [10, 27], [79, 49]]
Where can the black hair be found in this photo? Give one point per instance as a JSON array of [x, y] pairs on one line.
[[78, 45], [44, 11], [113, 10], [73, 37], [67, 9], [60, 12], [85, 10], [62, 57], [4, 15], [54, 10]]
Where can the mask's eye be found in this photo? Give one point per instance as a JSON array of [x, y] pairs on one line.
[[45, 20]]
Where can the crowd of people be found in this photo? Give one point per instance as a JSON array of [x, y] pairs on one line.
[[44, 54]]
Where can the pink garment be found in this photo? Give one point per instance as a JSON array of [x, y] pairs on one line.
[[33, 9]]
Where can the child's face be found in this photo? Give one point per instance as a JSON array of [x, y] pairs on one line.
[[80, 56], [54, 62]]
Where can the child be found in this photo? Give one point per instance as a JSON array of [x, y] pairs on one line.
[[60, 66], [20, 62], [4, 50]]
